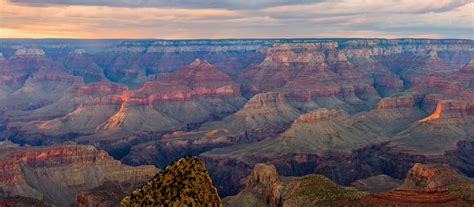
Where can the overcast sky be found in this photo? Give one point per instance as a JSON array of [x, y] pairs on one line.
[[190, 19]]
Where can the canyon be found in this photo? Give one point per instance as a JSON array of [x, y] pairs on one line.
[[55, 174], [346, 109]]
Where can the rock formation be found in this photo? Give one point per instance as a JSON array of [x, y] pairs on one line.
[[184, 182], [264, 187]]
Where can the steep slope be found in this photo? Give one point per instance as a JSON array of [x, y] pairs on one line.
[[262, 116], [56, 173], [184, 182]]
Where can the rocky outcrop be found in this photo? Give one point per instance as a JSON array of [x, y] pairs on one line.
[[264, 187], [432, 176], [184, 182], [56, 173]]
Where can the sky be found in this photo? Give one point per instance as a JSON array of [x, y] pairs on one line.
[[213, 19]]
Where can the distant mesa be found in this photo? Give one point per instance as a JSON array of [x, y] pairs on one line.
[[78, 51], [29, 52]]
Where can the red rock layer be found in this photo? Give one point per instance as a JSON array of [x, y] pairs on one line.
[[412, 198], [204, 79], [397, 102], [320, 115], [100, 88], [306, 71], [199, 79]]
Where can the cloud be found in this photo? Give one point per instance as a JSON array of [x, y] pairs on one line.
[[337, 18], [341, 7], [223, 4]]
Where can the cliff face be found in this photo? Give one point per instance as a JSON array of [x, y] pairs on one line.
[[56, 173], [184, 182]]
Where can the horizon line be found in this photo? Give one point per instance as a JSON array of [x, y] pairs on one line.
[[236, 38]]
